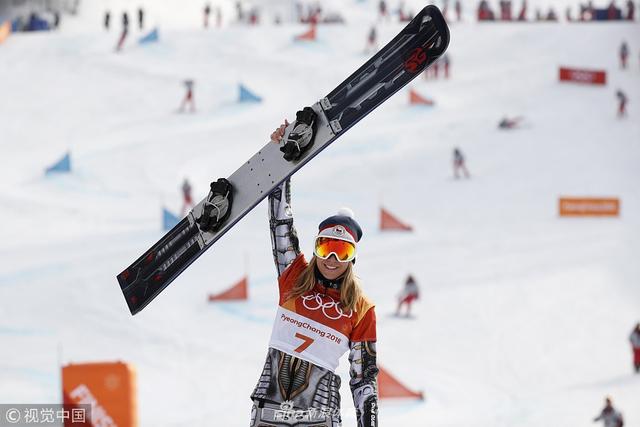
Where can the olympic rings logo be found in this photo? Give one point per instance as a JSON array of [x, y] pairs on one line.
[[331, 309]]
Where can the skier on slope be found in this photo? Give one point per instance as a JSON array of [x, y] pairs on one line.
[[322, 314], [372, 41], [622, 103], [187, 199], [188, 97], [409, 294], [634, 339], [507, 123], [609, 415], [458, 8], [125, 31], [623, 54], [459, 164], [206, 12], [141, 18], [446, 62]]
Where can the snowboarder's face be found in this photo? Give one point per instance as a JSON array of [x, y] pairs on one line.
[[331, 268]]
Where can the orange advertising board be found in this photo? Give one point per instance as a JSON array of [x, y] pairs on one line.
[[5, 30], [589, 206], [108, 387]]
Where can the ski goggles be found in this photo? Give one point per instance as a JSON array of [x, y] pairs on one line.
[[343, 250]]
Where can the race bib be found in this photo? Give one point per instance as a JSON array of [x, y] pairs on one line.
[[307, 339]]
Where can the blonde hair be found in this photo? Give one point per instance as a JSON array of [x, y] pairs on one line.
[[350, 290]]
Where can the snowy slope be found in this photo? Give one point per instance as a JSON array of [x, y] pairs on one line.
[[524, 316]]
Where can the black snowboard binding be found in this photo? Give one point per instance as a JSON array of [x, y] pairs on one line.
[[217, 207], [301, 137]]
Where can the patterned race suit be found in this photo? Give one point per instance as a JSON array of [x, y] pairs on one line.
[[298, 385]]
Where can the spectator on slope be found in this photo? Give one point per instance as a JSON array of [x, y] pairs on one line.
[[590, 11], [610, 416], [446, 62], [107, 20], [254, 18], [239, 11], [507, 123], [218, 17], [458, 8], [383, 12], [551, 15], [634, 339], [484, 11], [409, 294], [141, 18], [538, 14], [433, 71], [372, 41], [188, 97], [56, 19], [622, 103], [503, 10], [522, 15], [459, 164], [631, 10], [206, 12], [187, 200], [623, 53], [612, 11], [125, 31]]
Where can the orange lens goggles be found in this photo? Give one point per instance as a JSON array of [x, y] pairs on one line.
[[343, 250]]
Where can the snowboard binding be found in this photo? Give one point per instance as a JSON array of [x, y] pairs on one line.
[[217, 207], [301, 138]]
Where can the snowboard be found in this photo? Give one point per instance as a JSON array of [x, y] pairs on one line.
[[418, 45]]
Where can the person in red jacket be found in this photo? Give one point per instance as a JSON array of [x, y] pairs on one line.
[[188, 97], [522, 15], [187, 199], [634, 339], [409, 294], [372, 41], [624, 54], [507, 123], [322, 314], [125, 31], [631, 10], [612, 11], [622, 103]]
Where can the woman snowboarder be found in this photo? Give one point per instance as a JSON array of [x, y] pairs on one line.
[[322, 314]]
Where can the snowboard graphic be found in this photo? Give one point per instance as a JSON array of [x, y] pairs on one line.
[[416, 47]]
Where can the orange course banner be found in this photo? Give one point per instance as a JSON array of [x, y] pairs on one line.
[[108, 387], [5, 30], [572, 206], [577, 75]]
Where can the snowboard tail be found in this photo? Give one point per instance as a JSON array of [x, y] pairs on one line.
[[416, 47]]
